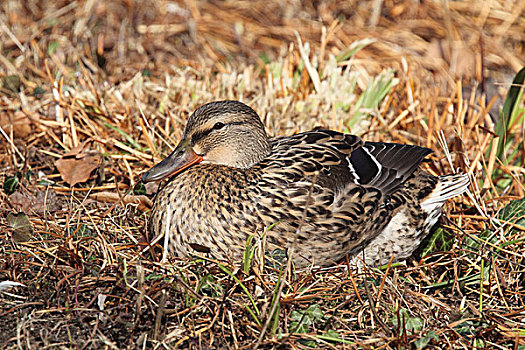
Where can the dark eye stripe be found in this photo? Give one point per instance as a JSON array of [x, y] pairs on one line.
[[199, 136]]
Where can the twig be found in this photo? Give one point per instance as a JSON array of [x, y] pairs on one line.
[[372, 303]]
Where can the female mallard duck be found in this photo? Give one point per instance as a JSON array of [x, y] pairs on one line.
[[331, 193]]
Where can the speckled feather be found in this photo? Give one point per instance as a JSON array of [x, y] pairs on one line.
[[358, 192]]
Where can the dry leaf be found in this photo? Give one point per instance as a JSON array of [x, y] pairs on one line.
[[143, 203], [77, 151], [22, 229], [76, 170], [26, 202], [461, 59], [20, 123], [465, 62]]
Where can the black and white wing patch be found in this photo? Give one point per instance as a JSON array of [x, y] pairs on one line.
[[340, 159], [385, 165]]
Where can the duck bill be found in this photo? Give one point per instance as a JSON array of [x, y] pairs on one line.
[[182, 157]]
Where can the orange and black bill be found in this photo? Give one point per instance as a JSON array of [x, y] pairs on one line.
[[182, 157]]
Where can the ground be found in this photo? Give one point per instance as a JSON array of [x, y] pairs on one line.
[[94, 93]]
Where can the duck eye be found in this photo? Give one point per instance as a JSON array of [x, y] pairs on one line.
[[218, 126]]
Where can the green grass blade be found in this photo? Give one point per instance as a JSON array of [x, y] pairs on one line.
[[126, 136], [505, 116], [229, 273]]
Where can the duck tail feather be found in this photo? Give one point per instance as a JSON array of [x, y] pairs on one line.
[[448, 186]]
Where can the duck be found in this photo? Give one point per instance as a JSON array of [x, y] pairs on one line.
[[327, 194]]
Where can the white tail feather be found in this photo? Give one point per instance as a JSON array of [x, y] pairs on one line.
[[448, 186]]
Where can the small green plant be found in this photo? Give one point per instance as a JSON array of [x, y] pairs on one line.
[[11, 183], [139, 189], [331, 335], [439, 241], [85, 231], [514, 213], [52, 47], [402, 321], [254, 310], [209, 286], [511, 114], [276, 304], [249, 252], [474, 243], [131, 141], [38, 90], [335, 86], [422, 343], [302, 320], [470, 329], [510, 118], [372, 96]]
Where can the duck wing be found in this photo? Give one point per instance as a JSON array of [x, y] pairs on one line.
[[340, 159], [386, 166]]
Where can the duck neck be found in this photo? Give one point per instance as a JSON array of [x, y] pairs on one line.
[[252, 151]]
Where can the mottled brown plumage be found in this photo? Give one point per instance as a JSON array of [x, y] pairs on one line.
[[360, 198]]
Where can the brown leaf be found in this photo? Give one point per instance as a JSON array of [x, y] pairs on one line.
[[143, 203], [22, 228], [465, 62], [460, 59], [19, 122], [77, 151], [28, 203], [76, 170]]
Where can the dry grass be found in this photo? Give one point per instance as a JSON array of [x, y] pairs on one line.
[[113, 83]]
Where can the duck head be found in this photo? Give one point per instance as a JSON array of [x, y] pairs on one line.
[[224, 132]]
